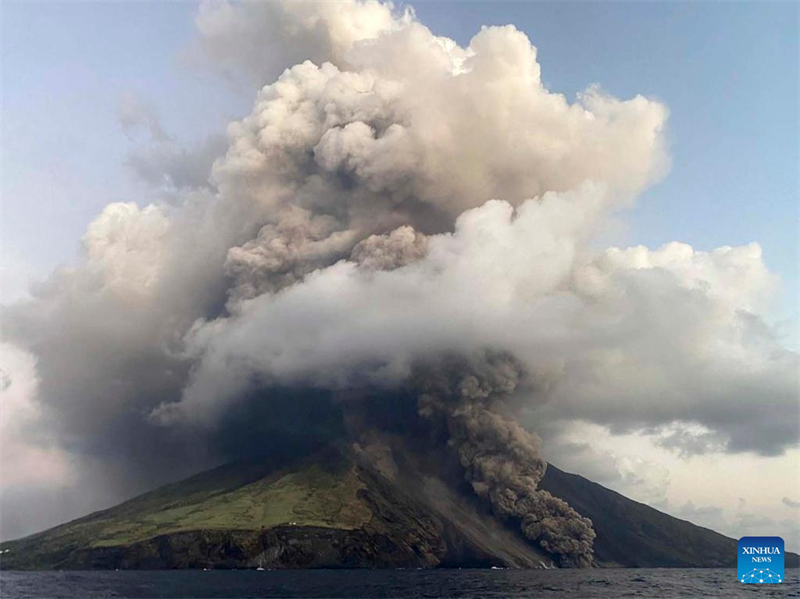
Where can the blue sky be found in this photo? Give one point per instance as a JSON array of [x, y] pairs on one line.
[[727, 71]]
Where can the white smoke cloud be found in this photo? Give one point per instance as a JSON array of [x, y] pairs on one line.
[[135, 115], [164, 165], [450, 140], [258, 40], [26, 462], [402, 246], [631, 339], [392, 197]]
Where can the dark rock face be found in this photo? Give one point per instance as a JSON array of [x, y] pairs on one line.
[[277, 548], [632, 534]]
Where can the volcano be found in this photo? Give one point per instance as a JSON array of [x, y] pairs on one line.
[[332, 510]]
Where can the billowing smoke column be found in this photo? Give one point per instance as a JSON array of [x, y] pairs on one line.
[[499, 457], [393, 198]]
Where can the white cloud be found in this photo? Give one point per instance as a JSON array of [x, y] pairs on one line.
[[258, 40], [697, 488], [28, 456], [134, 115]]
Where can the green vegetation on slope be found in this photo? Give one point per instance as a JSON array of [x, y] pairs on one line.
[[310, 497], [243, 497]]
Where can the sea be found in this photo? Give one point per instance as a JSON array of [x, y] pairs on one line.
[[477, 584]]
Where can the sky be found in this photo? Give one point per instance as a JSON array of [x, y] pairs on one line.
[[89, 88]]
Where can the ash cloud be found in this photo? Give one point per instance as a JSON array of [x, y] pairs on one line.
[[164, 165], [135, 115], [402, 246], [253, 42], [392, 199], [501, 459]]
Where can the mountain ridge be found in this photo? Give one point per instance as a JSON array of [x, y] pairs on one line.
[[634, 534], [333, 511]]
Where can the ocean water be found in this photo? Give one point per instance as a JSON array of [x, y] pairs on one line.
[[477, 584]]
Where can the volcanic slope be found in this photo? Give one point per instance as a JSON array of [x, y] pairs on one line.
[[331, 511]]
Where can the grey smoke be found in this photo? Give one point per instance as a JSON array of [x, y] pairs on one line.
[[500, 458], [790, 503], [253, 42], [134, 115], [284, 253], [163, 164], [402, 246]]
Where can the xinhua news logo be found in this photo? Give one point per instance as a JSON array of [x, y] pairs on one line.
[[761, 560]]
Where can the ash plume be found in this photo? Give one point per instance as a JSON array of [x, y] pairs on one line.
[[501, 459], [392, 198]]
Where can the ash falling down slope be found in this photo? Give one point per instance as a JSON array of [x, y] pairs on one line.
[[499, 457], [400, 234]]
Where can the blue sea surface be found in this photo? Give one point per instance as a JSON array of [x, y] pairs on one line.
[[477, 584]]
